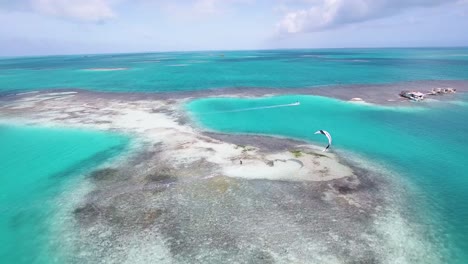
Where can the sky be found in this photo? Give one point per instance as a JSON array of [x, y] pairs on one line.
[[40, 27]]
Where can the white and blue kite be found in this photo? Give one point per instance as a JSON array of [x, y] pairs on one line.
[[323, 132]]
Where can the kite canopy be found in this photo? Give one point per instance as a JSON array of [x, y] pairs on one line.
[[323, 132]]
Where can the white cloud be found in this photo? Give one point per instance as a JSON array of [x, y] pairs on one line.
[[325, 14], [78, 10], [81, 10], [102, 10], [195, 9]]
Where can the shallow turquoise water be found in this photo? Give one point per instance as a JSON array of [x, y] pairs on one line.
[[425, 145], [182, 71], [38, 165]]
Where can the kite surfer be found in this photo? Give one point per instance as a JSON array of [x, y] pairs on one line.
[[323, 132]]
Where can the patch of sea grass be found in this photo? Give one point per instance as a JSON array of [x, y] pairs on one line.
[[162, 176], [148, 218], [317, 154], [87, 214], [296, 153], [90, 213], [104, 174], [261, 256], [221, 184], [324, 172], [244, 148]]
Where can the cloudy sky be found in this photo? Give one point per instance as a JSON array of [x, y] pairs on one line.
[[34, 27]]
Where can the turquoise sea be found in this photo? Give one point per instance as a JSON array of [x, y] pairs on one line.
[[182, 71], [426, 145], [40, 167]]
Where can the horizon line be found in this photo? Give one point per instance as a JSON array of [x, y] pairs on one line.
[[226, 50]]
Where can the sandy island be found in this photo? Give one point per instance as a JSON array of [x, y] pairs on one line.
[[181, 195]]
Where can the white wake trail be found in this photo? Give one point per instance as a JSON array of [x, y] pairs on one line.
[[254, 108]]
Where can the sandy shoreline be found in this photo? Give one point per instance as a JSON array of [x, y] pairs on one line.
[[182, 195]]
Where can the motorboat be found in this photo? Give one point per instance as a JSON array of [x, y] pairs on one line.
[[412, 95]]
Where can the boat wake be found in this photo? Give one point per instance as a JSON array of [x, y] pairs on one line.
[[255, 108]]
